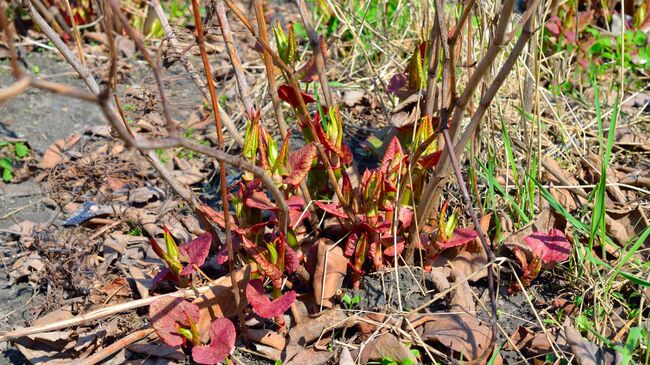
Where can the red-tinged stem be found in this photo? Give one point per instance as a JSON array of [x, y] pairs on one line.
[[222, 165]]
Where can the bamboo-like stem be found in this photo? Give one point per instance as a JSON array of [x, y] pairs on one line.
[[200, 37], [97, 314], [189, 67], [317, 49], [242, 84], [268, 64], [442, 169], [117, 346], [447, 80]]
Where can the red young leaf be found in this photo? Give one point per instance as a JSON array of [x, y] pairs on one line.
[[291, 262], [261, 304], [344, 152], [166, 313], [286, 93], [405, 216], [330, 208], [222, 342], [196, 251], [300, 163], [430, 160], [164, 275], [351, 244], [218, 218], [257, 253], [554, 25], [393, 152], [222, 255], [259, 199], [550, 247], [397, 82], [296, 212], [460, 237], [390, 250]]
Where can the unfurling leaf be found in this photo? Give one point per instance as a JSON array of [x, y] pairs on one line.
[[300, 163], [257, 253], [341, 150], [196, 251], [287, 46], [550, 247], [251, 139], [416, 70], [259, 200], [222, 342], [167, 314], [460, 237], [262, 305], [286, 93], [330, 208]]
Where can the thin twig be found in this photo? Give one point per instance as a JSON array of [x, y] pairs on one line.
[[117, 346], [98, 314], [189, 67], [200, 37], [242, 84], [317, 49]]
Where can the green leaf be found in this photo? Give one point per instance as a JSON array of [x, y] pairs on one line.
[[7, 175], [632, 342], [346, 299], [21, 150], [273, 253]]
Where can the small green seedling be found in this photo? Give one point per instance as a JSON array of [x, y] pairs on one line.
[[350, 302], [17, 151]]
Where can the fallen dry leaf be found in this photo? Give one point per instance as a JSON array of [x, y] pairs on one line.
[[55, 152], [330, 262], [469, 258], [311, 356], [462, 333], [311, 328], [218, 301], [385, 346], [345, 357], [267, 337], [588, 353]]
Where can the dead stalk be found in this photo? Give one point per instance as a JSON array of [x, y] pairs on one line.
[[317, 49], [442, 169], [200, 37], [270, 73], [242, 84], [447, 82], [117, 346], [189, 67], [97, 314]]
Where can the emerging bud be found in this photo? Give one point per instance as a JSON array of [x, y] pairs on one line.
[[287, 46], [416, 71]]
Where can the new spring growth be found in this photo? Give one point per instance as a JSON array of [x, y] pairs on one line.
[[287, 46]]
